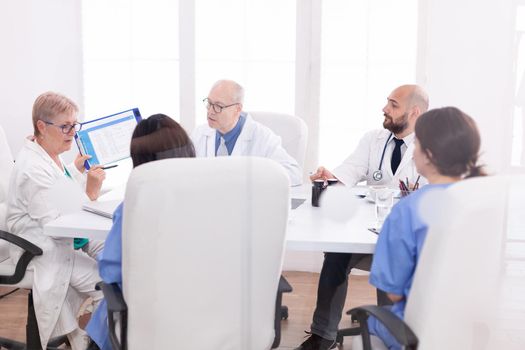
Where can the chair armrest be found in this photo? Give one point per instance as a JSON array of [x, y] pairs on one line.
[[284, 286], [114, 297], [30, 251], [20, 242], [116, 306], [396, 326]]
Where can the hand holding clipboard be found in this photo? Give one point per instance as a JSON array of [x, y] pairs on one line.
[[106, 140]]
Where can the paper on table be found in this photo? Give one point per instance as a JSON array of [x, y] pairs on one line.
[[103, 208]]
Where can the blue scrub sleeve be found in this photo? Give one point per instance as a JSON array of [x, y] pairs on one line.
[[110, 260], [396, 252]]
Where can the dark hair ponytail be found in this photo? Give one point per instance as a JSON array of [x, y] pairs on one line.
[[475, 170]]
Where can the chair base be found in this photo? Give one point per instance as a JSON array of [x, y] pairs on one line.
[[281, 311], [352, 331], [284, 312], [382, 300], [11, 344], [32, 334]]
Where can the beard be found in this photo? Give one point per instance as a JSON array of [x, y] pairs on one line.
[[393, 127]]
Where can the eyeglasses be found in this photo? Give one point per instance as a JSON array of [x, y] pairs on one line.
[[66, 128], [216, 108]]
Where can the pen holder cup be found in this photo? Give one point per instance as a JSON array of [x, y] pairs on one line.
[[405, 193], [318, 186]]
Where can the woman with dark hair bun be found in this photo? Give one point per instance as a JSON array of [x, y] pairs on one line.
[[159, 137], [155, 138], [446, 151]]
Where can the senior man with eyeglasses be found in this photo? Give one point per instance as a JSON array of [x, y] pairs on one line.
[[232, 132]]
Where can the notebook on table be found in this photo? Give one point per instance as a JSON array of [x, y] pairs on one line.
[[103, 208]]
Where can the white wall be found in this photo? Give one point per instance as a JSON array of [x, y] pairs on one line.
[[41, 51], [466, 60]]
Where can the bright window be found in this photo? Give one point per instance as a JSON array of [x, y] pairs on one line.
[[368, 49], [518, 136], [131, 57], [252, 42]]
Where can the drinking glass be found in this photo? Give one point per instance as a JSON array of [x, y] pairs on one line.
[[384, 199]]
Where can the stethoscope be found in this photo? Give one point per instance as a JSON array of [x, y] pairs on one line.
[[378, 174]]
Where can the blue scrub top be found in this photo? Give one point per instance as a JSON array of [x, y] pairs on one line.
[[396, 255], [110, 270]]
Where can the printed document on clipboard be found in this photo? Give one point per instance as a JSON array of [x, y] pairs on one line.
[[107, 139]]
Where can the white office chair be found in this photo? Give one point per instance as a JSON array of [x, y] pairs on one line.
[[203, 243], [464, 294], [16, 275], [292, 130], [294, 137], [6, 166]]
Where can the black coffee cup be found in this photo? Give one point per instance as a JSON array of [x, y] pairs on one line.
[[332, 181], [318, 187]]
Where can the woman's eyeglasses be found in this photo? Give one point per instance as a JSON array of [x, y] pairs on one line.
[[66, 128]]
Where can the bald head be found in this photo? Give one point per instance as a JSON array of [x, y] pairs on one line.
[[224, 105], [404, 105], [231, 89], [415, 96]]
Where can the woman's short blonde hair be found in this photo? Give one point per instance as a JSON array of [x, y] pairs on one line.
[[49, 105]]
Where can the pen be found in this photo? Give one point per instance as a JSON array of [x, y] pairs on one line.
[[416, 185], [109, 166], [374, 230]]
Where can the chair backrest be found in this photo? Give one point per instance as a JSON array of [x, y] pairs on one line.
[[462, 295], [6, 167], [203, 243], [292, 130]]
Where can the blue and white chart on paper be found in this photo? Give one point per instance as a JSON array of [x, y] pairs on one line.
[[107, 139]]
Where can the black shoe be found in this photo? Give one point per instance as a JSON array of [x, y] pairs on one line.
[[316, 342], [92, 345]]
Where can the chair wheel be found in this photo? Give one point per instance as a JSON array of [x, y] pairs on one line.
[[284, 313]]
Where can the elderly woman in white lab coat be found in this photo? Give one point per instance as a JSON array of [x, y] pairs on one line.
[[63, 278]]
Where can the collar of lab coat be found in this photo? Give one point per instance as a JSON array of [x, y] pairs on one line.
[[245, 137], [382, 137], [409, 153], [36, 148]]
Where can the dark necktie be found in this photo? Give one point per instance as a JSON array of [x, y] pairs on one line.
[[396, 155]]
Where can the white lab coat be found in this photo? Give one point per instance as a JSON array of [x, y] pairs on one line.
[[29, 209], [361, 164], [255, 140]]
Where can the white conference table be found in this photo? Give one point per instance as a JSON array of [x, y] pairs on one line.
[[309, 229]]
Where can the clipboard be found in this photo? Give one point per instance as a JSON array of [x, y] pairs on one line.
[[107, 139], [102, 208]]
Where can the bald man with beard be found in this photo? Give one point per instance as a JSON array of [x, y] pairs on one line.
[[382, 157]]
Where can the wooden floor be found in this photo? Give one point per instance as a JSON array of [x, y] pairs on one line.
[[301, 303]]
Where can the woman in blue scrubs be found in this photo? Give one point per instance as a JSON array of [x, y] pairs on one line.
[[446, 151], [157, 137]]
